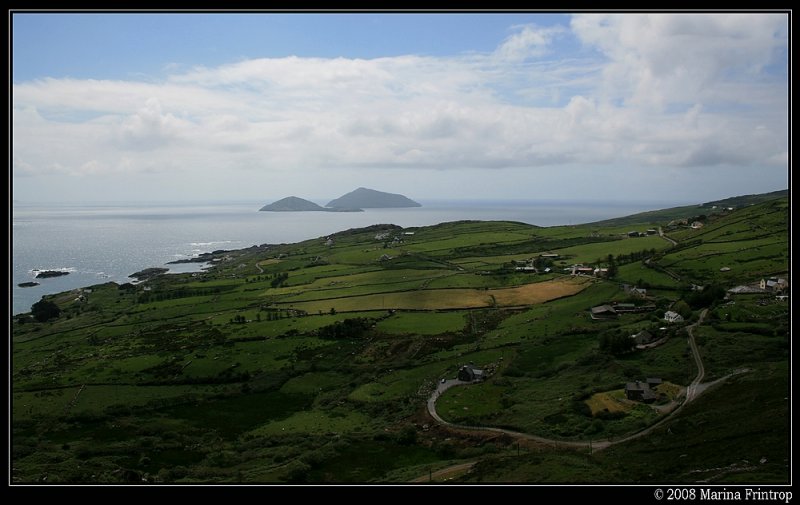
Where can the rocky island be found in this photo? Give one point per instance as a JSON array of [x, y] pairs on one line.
[[364, 198], [295, 204], [27, 284], [44, 274]]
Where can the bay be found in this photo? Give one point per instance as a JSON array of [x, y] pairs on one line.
[[102, 243]]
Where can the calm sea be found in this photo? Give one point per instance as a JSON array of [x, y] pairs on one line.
[[101, 243]]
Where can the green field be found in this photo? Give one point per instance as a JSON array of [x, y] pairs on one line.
[[304, 363]]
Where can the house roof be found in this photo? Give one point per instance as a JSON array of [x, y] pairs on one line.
[[600, 309], [635, 386]]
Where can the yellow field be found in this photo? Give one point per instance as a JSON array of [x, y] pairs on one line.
[[438, 299], [613, 401]]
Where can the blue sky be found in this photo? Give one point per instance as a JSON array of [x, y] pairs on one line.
[[260, 106]]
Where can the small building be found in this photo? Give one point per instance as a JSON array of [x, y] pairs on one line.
[[638, 292], [470, 373], [603, 312], [773, 284], [672, 317], [639, 391], [408, 233], [652, 231], [633, 233], [725, 269], [644, 337], [528, 269], [601, 272], [548, 255], [653, 382], [697, 225], [583, 271]]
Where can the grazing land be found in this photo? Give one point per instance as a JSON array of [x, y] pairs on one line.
[[315, 361]]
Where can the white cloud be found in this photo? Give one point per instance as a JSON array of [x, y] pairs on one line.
[[530, 41], [663, 91]]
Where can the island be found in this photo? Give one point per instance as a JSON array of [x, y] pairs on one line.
[[295, 204], [364, 198], [148, 273], [44, 274], [27, 284]]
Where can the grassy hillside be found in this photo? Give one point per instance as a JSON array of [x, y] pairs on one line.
[[664, 216], [313, 362]]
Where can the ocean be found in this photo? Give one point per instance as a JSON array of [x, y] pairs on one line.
[[102, 243]]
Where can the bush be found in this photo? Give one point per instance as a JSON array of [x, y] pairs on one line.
[[44, 310]]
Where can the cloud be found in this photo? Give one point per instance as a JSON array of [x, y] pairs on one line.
[[646, 90], [529, 41]]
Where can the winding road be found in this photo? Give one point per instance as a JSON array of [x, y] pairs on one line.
[[692, 392], [661, 234]]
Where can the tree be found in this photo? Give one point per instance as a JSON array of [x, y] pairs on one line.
[[616, 343], [612, 267], [44, 310], [682, 308]]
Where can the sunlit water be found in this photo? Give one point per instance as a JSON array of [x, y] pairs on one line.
[[98, 243]]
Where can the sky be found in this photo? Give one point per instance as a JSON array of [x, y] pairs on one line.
[[189, 107]]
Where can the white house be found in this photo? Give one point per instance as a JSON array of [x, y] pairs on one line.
[[672, 317]]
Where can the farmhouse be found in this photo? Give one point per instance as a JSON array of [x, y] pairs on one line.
[[469, 373], [773, 284], [638, 292], [603, 312], [697, 225], [639, 391], [672, 317], [652, 231], [582, 270]]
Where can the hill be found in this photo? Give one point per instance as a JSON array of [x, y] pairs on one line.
[[295, 204], [654, 217], [364, 198], [315, 361]]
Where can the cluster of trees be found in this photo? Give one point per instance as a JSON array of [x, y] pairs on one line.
[[279, 280], [349, 328], [710, 295], [44, 310], [635, 256], [616, 343]]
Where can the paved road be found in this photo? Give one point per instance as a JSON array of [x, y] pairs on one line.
[[692, 392], [661, 234]]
